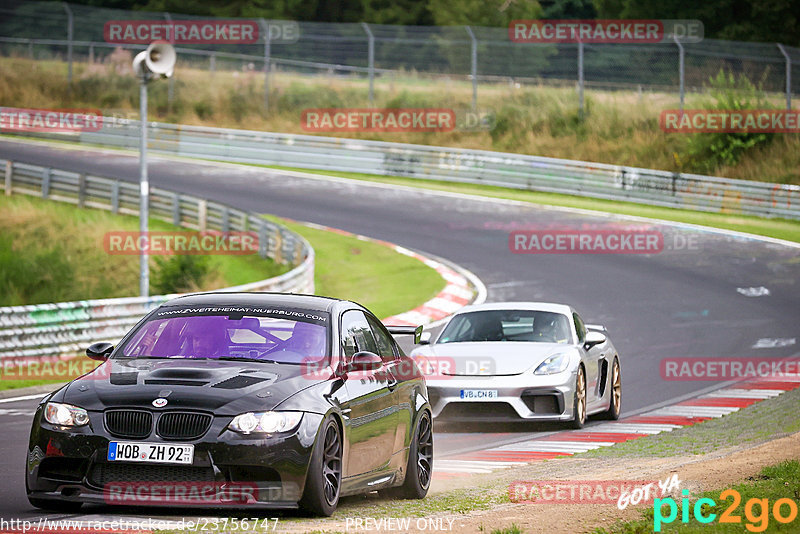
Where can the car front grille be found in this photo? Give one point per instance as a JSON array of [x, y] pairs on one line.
[[129, 423], [102, 474], [183, 425]]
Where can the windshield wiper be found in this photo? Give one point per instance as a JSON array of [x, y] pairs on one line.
[[245, 359]]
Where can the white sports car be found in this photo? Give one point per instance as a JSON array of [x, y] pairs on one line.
[[513, 361]]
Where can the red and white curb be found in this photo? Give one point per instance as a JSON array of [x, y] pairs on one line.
[[567, 443], [462, 286]]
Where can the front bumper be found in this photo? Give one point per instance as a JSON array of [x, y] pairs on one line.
[[228, 469], [525, 396]]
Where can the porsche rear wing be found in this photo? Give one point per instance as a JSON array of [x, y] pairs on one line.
[[415, 331]]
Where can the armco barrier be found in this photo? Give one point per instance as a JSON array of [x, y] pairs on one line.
[[595, 180], [64, 329]]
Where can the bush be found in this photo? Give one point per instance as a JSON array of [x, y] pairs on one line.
[[708, 151], [177, 274]]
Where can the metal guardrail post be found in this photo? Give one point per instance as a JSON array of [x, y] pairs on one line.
[[9, 172], [370, 62], [70, 29], [473, 67], [202, 214], [681, 69], [788, 76], [226, 224], [81, 190], [212, 63], [46, 182], [171, 84], [176, 209], [115, 197], [263, 240]]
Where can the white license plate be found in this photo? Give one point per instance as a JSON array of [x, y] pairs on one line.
[[160, 453], [478, 394]]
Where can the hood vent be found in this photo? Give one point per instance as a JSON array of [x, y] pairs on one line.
[[238, 382], [173, 382], [123, 379]]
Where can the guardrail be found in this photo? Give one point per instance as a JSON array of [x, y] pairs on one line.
[[64, 329], [595, 180]]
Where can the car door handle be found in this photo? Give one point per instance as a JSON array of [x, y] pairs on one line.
[[391, 382]]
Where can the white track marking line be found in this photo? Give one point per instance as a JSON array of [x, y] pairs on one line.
[[24, 397]]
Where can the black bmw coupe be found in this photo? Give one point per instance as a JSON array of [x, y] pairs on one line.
[[243, 399]]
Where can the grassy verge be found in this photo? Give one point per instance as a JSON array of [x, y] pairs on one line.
[[620, 127], [369, 273], [762, 421], [781, 481], [53, 252], [777, 228]]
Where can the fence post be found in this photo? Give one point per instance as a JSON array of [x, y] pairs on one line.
[[580, 79], [91, 54], [474, 68], [263, 243], [70, 28], [371, 62], [681, 68], [9, 171], [788, 76], [226, 224], [212, 64], [265, 28]]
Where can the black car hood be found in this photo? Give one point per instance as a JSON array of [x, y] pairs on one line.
[[224, 387]]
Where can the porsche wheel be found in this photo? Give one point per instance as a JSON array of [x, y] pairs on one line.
[[579, 404]]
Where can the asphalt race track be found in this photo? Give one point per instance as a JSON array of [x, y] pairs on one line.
[[682, 302]]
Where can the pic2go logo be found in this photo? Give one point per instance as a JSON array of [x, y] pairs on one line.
[[783, 510]]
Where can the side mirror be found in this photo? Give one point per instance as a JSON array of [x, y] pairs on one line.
[[424, 339], [594, 338], [99, 351], [364, 361]]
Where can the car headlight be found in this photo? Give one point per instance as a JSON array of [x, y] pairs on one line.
[[269, 422], [553, 364], [65, 414]]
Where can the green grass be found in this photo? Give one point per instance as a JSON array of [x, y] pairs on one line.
[[758, 422], [53, 252], [775, 482], [16, 384], [371, 274], [777, 228]]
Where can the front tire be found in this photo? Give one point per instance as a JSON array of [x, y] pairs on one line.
[[324, 479], [419, 469], [579, 402]]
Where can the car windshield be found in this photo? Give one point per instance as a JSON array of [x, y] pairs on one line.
[[507, 325], [219, 337]]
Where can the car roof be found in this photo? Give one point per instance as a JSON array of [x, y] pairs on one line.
[[537, 306], [221, 298]]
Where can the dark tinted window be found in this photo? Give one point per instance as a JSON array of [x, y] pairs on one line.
[[508, 325]]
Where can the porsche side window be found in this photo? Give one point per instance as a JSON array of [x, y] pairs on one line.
[[356, 334], [580, 328], [383, 339]]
